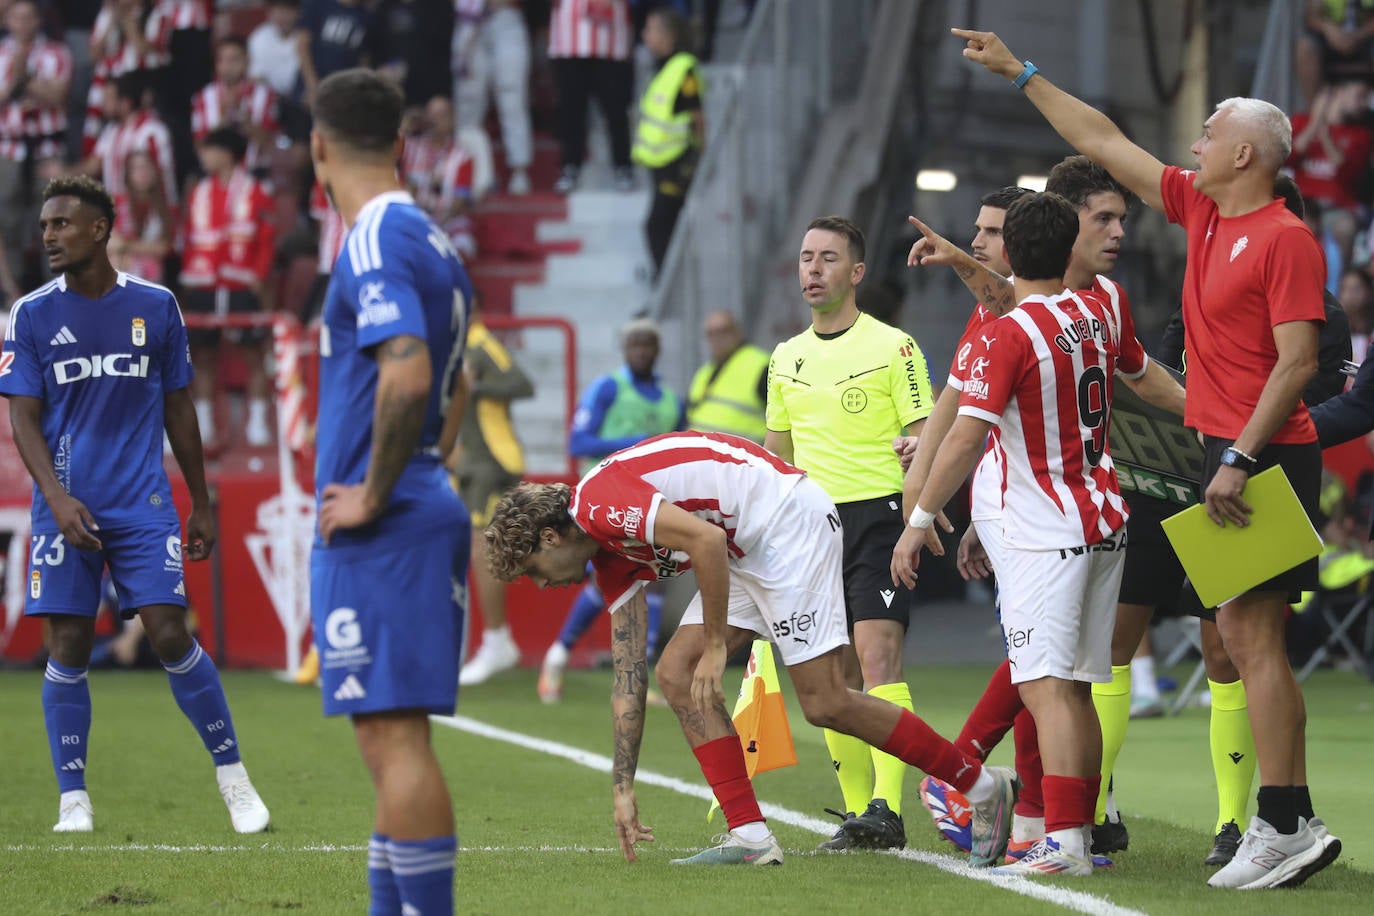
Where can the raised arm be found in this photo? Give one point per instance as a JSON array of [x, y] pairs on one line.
[[1085, 128], [629, 657], [988, 287]]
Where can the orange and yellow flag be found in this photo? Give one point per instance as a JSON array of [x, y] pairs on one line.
[[760, 717]]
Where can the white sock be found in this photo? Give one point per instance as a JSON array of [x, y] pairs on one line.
[[1070, 841], [1143, 683], [231, 772], [75, 795], [257, 412], [754, 832], [1026, 829], [500, 634], [982, 788], [557, 655], [1111, 813]]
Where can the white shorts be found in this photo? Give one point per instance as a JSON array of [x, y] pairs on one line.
[[1059, 609], [990, 536], [789, 587]]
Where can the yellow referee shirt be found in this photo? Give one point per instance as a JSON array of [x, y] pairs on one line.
[[844, 397]]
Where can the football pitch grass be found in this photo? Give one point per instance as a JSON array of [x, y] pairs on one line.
[[532, 796]]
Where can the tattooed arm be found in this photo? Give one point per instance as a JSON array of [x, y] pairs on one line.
[[404, 378], [991, 288], [629, 654]]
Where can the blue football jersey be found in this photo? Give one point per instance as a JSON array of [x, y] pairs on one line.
[[101, 369], [397, 274]]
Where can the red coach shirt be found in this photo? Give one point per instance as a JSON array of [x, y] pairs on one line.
[[1245, 275]]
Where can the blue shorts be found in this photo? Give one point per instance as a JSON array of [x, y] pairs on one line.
[[388, 619], [144, 562]]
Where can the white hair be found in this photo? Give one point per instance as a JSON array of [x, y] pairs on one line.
[[1275, 133], [639, 326]]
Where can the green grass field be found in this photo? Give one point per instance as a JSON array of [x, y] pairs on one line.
[[535, 827]]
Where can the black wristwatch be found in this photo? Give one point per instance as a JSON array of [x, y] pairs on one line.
[[1235, 458]]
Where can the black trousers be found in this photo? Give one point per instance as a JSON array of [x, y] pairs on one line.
[[612, 83], [670, 193]]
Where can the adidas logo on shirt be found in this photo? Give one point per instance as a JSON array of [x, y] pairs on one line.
[[64, 336], [74, 766], [350, 689]]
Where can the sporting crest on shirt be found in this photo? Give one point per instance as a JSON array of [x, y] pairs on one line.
[[139, 332], [1239, 246], [6, 361]]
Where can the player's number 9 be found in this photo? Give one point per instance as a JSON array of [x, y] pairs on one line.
[[1092, 412]]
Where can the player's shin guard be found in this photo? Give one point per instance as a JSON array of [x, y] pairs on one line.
[[384, 896], [1031, 801], [992, 715], [1068, 808], [853, 762], [67, 714], [888, 771], [1233, 751], [423, 870], [1113, 702], [921, 746], [200, 695], [581, 615], [722, 763]]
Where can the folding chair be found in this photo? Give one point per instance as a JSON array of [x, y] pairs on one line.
[[1343, 599]]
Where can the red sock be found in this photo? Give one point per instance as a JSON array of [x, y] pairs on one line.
[[722, 763], [992, 716], [916, 743], [1031, 801], [1066, 798]]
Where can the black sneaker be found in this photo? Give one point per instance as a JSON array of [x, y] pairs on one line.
[[1110, 836], [879, 827], [1225, 845], [839, 842]]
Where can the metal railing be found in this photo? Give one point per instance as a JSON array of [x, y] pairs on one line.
[[799, 58]]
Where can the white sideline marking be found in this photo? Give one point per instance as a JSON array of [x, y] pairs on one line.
[[269, 847], [1078, 901]]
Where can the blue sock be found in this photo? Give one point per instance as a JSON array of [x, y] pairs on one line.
[[581, 615], [423, 870], [655, 622], [67, 713], [196, 687], [386, 898]]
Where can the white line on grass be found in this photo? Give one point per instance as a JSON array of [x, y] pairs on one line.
[[1069, 899], [270, 847]]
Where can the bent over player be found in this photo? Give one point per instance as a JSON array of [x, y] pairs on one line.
[[766, 546], [96, 366], [388, 570]]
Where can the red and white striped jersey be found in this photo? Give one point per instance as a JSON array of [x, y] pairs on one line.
[[24, 122], [436, 172], [332, 229], [985, 493], [179, 15], [249, 104], [728, 481], [144, 132], [1043, 374], [591, 28]]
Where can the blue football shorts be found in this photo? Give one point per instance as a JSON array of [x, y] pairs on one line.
[[145, 567], [388, 617]]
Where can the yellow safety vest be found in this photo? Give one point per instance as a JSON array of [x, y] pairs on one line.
[[663, 136], [730, 403]]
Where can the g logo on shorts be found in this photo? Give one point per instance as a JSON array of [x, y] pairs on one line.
[[341, 628]]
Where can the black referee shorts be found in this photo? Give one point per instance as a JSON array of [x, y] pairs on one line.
[[1152, 574], [1303, 465], [872, 528]]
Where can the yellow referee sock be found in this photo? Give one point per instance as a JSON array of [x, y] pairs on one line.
[[853, 768], [888, 771], [1233, 752], [1113, 702]]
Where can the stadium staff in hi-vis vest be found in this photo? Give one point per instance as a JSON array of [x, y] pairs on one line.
[[671, 131], [616, 411], [729, 393]]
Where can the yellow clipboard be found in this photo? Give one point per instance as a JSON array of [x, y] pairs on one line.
[[1224, 563]]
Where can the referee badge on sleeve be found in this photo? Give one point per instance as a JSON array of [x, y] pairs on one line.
[[139, 332]]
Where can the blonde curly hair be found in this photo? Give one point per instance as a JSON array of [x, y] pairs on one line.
[[519, 517]]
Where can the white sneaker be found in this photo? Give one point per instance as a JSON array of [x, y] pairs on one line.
[[1267, 858], [731, 850], [74, 813], [1047, 858], [551, 673], [519, 184], [497, 653], [1331, 850], [246, 810], [258, 435]]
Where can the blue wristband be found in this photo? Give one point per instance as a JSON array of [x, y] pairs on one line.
[[1029, 71]]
